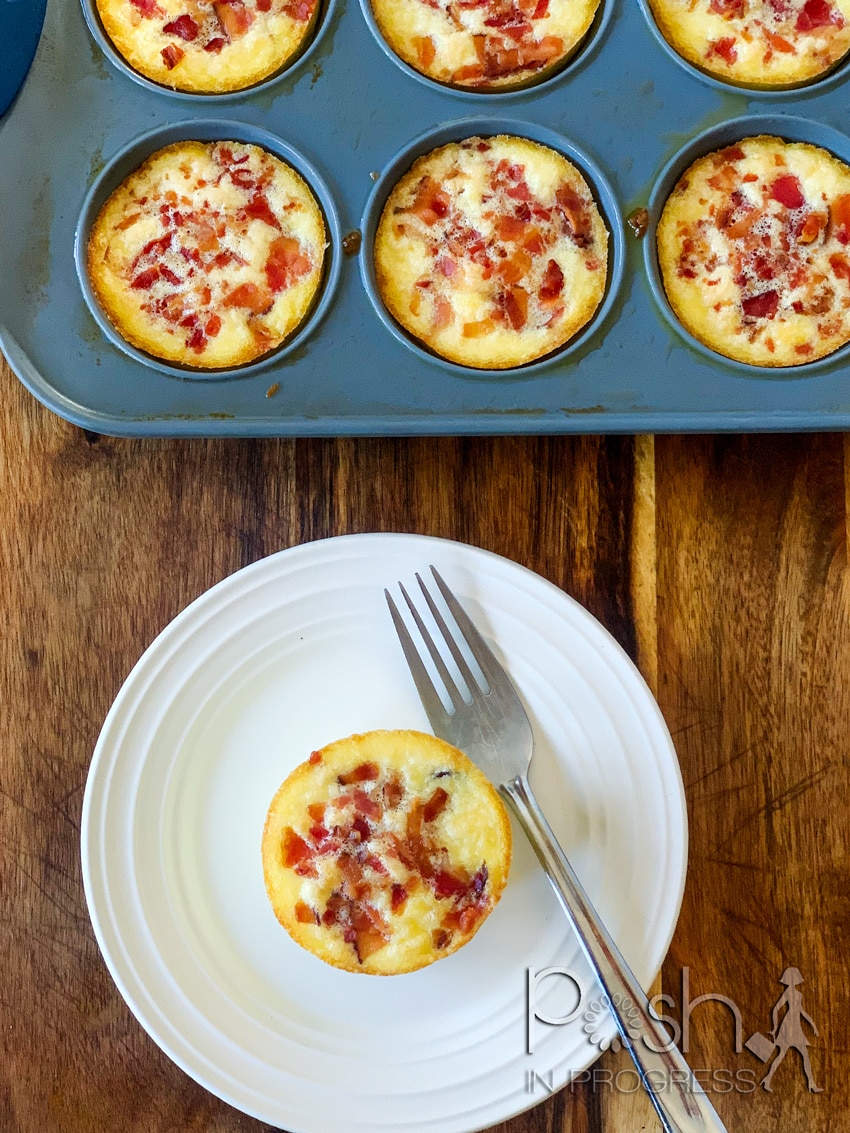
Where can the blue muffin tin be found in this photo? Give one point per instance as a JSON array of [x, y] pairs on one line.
[[625, 109]]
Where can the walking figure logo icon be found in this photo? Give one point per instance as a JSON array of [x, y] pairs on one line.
[[787, 1032]]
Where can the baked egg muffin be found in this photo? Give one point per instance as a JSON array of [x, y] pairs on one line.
[[757, 43], [385, 851], [491, 252], [208, 46], [485, 44], [754, 251], [209, 255]]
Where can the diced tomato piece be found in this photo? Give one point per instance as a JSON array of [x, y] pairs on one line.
[[171, 55], [814, 14], [367, 942], [763, 306], [839, 212], [264, 5], [840, 266], [315, 758], [286, 263], [304, 914], [779, 43], [788, 191], [145, 280], [431, 203], [541, 9], [478, 329], [295, 849], [811, 226], [253, 298], [426, 52], [725, 48], [213, 326], [510, 228], [184, 27]]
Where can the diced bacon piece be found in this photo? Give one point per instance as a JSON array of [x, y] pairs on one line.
[[435, 805], [541, 10], [575, 214], [537, 53], [215, 45], [443, 314], [730, 9], [233, 17], [426, 52], [515, 302], [839, 212], [448, 884], [295, 849], [724, 48], [264, 5], [447, 266], [301, 10], [814, 14], [365, 804], [171, 55], [788, 191], [553, 283], [145, 280], [762, 306], [840, 266], [252, 297], [169, 275], [361, 828], [730, 153], [362, 773], [184, 27], [148, 8], [725, 179], [398, 898], [393, 791]]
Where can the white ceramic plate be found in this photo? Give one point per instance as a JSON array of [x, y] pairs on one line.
[[280, 658]]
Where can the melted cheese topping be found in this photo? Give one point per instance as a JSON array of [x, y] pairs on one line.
[[210, 254], [761, 43], [492, 252], [208, 46], [754, 250], [385, 851], [484, 44]]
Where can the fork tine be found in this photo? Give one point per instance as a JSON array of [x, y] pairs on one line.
[[431, 702], [478, 647], [472, 682], [454, 693]]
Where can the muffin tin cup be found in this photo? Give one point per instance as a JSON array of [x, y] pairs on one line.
[[127, 160], [455, 131], [578, 57], [791, 129], [324, 19], [836, 74]]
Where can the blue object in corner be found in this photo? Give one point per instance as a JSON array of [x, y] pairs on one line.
[[20, 29]]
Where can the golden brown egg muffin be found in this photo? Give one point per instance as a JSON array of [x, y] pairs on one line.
[[385, 851], [754, 250], [209, 255], [757, 43], [208, 46], [492, 252], [485, 44]]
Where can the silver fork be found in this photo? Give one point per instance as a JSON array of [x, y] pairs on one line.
[[494, 731]]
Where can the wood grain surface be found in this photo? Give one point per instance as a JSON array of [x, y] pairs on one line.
[[719, 563]]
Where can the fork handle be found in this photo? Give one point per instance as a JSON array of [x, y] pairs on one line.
[[678, 1098]]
